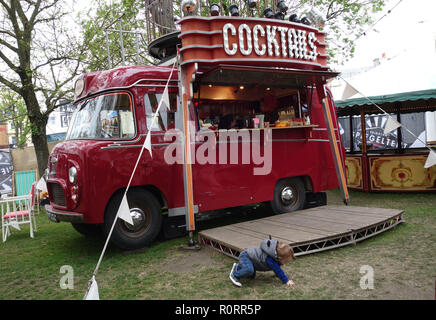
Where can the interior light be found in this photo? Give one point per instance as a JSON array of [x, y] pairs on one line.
[[268, 13], [234, 10], [210, 86], [268, 89], [214, 9], [241, 87]]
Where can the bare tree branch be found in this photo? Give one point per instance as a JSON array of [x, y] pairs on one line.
[[5, 5], [10, 64], [11, 85], [15, 5], [36, 11], [8, 45]]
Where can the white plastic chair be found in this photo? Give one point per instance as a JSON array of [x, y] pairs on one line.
[[17, 211]]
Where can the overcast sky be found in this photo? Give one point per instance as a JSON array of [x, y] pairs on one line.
[[411, 25]]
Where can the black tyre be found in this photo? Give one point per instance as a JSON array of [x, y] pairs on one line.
[[146, 215], [289, 195], [90, 230]]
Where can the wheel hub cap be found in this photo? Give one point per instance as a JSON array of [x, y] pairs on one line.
[[287, 195], [139, 219]]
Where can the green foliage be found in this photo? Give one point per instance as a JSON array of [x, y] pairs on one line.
[[345, 20], [402, 258], [101, 32], [13, 110], [40, 55]]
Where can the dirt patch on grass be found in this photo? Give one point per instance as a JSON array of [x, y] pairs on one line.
[[184, 261], [406, 291]]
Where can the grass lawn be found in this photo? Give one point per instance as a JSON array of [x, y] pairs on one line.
[[403, 259]]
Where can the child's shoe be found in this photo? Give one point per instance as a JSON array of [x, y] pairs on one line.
[[233, 278]]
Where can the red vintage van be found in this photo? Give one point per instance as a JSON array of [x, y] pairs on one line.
[[276, 111]]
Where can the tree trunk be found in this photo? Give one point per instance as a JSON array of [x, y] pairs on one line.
[[41, 149], [38, 123]]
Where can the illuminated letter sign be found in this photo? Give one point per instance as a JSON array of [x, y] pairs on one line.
[[277, 41], [243, 28], [234, 49], [259, 51]]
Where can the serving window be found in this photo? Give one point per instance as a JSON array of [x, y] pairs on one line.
[[250, 107]]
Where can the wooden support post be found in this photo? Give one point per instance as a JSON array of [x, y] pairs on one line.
[[185, 76], [334, 147], [365, 162]]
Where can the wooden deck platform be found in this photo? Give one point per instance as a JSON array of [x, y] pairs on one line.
[[307, 231]]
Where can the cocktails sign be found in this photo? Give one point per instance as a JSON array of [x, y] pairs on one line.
[[279, 41], [252, 41]]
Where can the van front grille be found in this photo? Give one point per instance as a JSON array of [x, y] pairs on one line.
[[57, 194]]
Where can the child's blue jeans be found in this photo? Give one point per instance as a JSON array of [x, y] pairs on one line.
[[245, 267]]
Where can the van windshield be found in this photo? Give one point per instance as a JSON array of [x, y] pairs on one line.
[[109, 116]]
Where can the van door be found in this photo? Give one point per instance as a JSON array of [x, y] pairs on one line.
[[223, 172]]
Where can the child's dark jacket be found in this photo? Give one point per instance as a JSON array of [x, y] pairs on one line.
[[265, 258]]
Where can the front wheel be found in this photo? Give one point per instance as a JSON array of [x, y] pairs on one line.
[[146, 215], [289, 195]]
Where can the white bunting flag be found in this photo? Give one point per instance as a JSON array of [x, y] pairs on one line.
[[431, 160], [147, 143], [124, 211], [391, 125], [349, 91], [165, 98], [92, 293]]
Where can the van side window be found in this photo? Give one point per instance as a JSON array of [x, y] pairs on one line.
[[165, 120]]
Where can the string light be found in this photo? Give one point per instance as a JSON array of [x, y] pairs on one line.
[[372, 26]]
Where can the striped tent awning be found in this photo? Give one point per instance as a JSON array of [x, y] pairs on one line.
[[406, 101]]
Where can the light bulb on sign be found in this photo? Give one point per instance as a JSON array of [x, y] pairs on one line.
[[268, 13], [282, 6], [234, 10], [189, 7], [294, 18], [305, 21], [214, 10], [252, 3]]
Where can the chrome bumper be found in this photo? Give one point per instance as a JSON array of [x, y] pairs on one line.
[[58, 216]]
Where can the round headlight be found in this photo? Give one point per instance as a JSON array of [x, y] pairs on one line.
[[79, 86], [72, 175]]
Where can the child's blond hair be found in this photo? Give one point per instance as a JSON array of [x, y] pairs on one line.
[[284, 252]]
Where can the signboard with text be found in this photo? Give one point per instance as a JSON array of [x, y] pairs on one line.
[[254, 41]]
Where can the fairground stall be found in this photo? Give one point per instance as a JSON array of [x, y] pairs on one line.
[[235, 113], [392, 162], [254, 74]]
